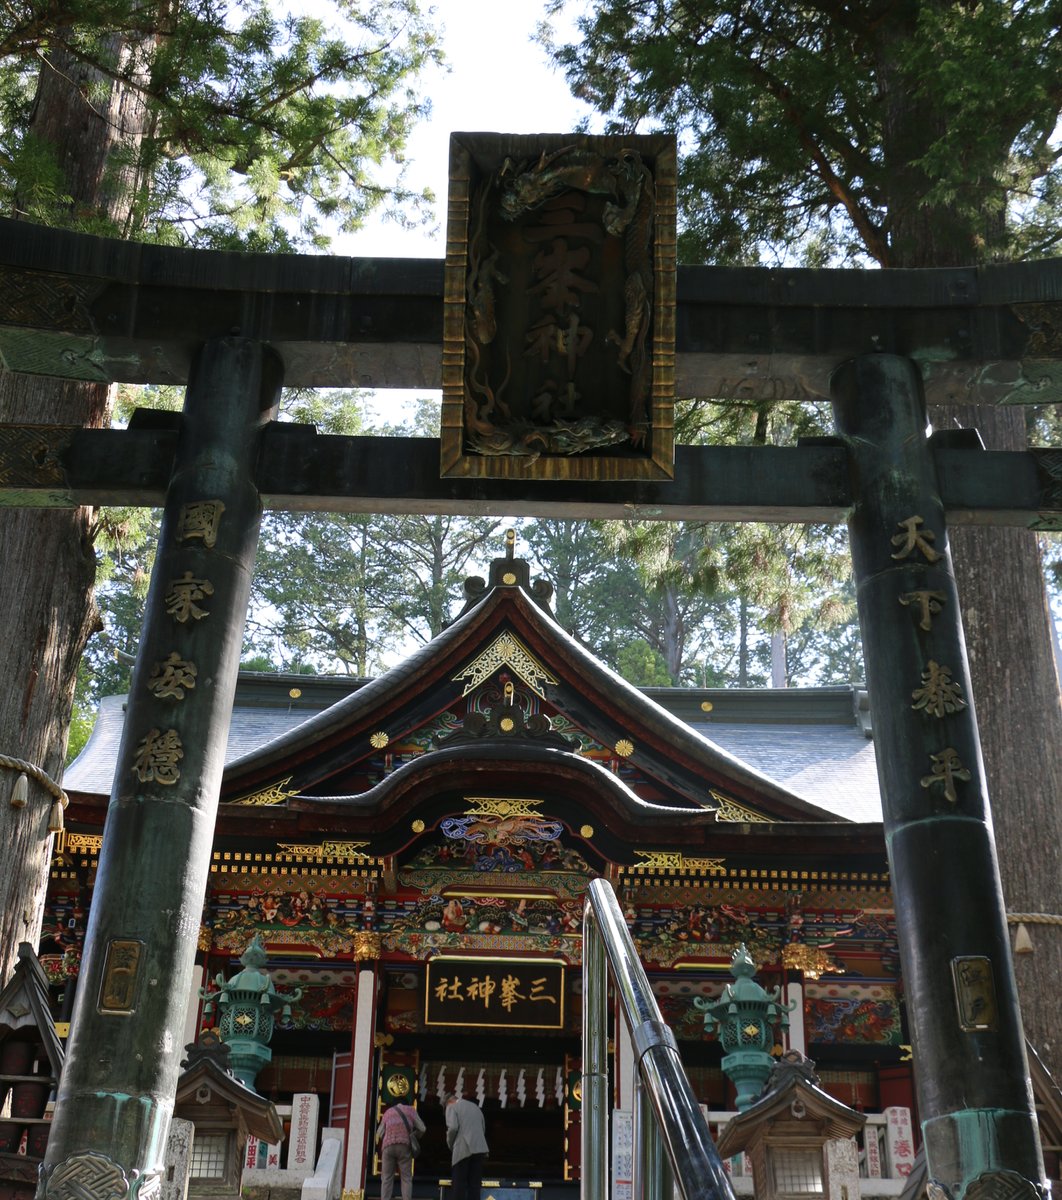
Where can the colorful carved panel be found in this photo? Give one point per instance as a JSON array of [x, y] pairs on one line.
[[686, 1021], [326, 1007], [496, 850], [287, 913], [675, 924], [852, 1015], [499, 924]]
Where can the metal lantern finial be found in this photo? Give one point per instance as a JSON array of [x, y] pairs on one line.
[[745, 1015], [247, 1005]]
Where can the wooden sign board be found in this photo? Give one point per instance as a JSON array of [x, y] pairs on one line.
[[559, 308], [494, 993]]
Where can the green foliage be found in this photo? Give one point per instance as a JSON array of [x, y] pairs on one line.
[[641, 665], [894, 132], [594, 593], [264, 131], [352, 592], [265, 665], [83, 717], [914, 134]]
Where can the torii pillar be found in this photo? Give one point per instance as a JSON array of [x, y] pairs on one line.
[[974, 1093], [112, 1114]]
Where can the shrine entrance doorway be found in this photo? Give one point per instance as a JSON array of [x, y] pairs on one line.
[[527, 1086]]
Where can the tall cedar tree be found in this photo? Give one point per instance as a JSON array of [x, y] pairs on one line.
[[205, 124], [904, 133]]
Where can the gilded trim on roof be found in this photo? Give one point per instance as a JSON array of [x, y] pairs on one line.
[[730, 810], [675, 860], [347, 851], [276, 793], [496, 806], [68, 842], [505, 651]]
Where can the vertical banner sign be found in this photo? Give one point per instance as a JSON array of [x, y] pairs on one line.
[[622, 1154], [302, 1142], [899, 1141], [872, 1148]]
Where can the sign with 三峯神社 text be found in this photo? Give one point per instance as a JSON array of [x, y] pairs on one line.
[[559, 326], [497, 993]]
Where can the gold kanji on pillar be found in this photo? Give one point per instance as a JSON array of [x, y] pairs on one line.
[[173, 677], [926, 603], [200, 519], [939, 694], [915, 540], [181, 597], [157, 757], [946, 767]]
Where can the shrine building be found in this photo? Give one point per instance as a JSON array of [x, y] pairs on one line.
[[413, 851]]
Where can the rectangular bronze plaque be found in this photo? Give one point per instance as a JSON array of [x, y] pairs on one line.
[[120, 970], [559, 325], [494, 993], [975, 993]]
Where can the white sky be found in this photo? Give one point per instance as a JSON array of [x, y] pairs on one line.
[[498, 81]]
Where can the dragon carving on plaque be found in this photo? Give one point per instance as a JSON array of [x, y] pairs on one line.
[[560, 305]]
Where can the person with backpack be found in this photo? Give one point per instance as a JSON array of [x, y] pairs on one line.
[[397, 1132]]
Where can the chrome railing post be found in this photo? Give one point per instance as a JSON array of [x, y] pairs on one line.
[[595, 1105], [651, 1176], [666, 1113]]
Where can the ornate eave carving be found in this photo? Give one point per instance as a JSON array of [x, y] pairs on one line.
[[506, 651]]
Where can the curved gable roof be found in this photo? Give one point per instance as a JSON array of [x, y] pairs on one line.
[[683, 763]]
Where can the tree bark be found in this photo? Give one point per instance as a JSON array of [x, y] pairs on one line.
[[84, 134], [49, 564], [1016, 693], [49, 613]]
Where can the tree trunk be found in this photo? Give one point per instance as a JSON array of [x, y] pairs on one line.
[[1016, 693], [49, 565], [84, 133], [919, 233], [48, 616], [779, 673], [999, 571], [672, 634]]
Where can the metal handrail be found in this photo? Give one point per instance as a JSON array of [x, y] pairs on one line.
[[671, 1138]]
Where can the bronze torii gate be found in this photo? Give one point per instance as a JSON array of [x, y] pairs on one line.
[[234, 327]]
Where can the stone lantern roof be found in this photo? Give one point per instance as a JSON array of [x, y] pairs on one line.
[[793, 1107]]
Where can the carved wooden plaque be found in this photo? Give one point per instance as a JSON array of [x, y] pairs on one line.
[[559, 333]]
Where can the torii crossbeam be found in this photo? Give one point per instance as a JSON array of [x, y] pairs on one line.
[[876, 345]]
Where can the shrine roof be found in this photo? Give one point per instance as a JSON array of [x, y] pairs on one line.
[[317, 757], [831, 766], [810, 745]]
